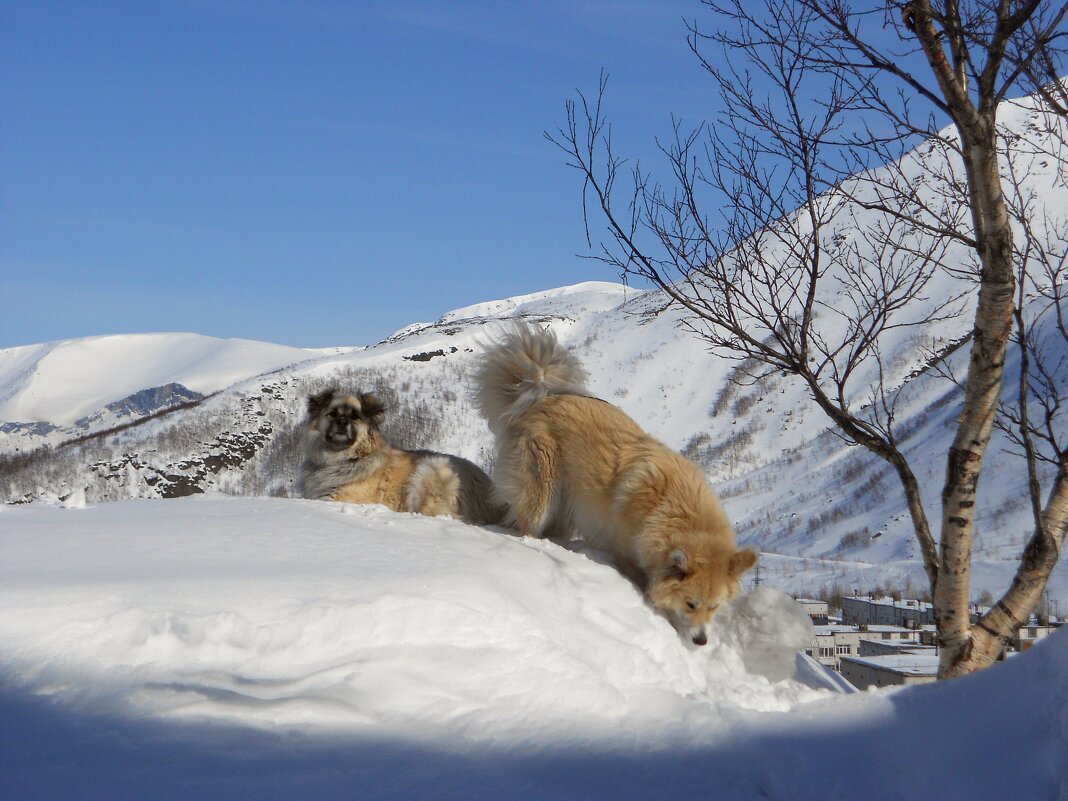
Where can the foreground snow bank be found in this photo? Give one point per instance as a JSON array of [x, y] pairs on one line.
[[293, 613], [264, 648]]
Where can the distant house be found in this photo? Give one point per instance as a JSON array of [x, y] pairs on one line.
[[817, 610], [862, 610], [891, 670], [832, 643], [1030, 634]]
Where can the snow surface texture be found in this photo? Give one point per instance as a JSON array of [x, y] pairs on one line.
[[267, 648], [293, 611]]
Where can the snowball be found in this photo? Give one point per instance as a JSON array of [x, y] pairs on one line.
[[767, 628]]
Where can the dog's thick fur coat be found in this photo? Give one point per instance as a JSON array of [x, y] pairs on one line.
[[347, 458], [568, 462]]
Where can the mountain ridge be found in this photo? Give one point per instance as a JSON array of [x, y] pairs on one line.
[[824, 514]]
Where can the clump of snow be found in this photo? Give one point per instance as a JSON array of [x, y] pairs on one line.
[[72, 500], [767, 628], [75, 500]]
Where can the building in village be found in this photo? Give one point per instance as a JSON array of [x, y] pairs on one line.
[[1030, 634], [891, 670], [862, 610], [815, 609], [883, 642], [832, 642]]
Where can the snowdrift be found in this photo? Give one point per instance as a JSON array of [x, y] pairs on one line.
[[279, 612], [267, 648]]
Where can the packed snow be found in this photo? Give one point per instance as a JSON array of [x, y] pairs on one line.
[[218, 647]]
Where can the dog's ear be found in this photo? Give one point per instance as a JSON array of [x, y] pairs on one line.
[[373, 408], [742, 561], [317, 403], [678, 564]]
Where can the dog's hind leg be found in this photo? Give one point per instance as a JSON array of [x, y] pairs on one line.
[[533, 485], [433, 489]]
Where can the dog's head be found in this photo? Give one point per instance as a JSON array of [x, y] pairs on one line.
[[344, 420], [691, 587]]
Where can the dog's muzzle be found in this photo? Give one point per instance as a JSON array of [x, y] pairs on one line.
[[341, 433]]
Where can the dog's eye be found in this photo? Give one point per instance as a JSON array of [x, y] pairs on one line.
[[691, 606]]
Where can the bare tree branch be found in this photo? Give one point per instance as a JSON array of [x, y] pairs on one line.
[[791, 273]]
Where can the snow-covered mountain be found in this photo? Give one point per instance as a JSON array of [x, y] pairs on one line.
[[823, 513], [53, 392]]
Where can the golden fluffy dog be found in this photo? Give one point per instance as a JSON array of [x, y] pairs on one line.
[[347, 458], [568, 462]]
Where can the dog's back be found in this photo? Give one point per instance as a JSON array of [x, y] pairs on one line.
[[577, 462]]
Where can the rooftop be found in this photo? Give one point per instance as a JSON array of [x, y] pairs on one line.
[[886, 600], [828, 630], [906, 664]]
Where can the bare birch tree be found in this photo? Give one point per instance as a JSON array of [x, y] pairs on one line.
[[839, 201]]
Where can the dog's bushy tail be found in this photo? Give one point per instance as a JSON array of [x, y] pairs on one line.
[[521, 368]]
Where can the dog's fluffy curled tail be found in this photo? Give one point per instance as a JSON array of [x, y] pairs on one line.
[[521, 368]]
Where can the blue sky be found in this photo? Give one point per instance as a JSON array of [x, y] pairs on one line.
[[307, 173]]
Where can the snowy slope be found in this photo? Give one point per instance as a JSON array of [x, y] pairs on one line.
[[60, 382], [573, 301], [823, 514], [278, 649]]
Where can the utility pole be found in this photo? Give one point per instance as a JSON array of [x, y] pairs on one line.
[[758, 574]]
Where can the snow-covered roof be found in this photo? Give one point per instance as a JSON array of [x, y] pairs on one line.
[[886, 600], [911, 664], [827, 630]]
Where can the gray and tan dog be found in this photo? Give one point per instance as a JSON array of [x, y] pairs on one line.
[[348, 459], [567, 462]]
